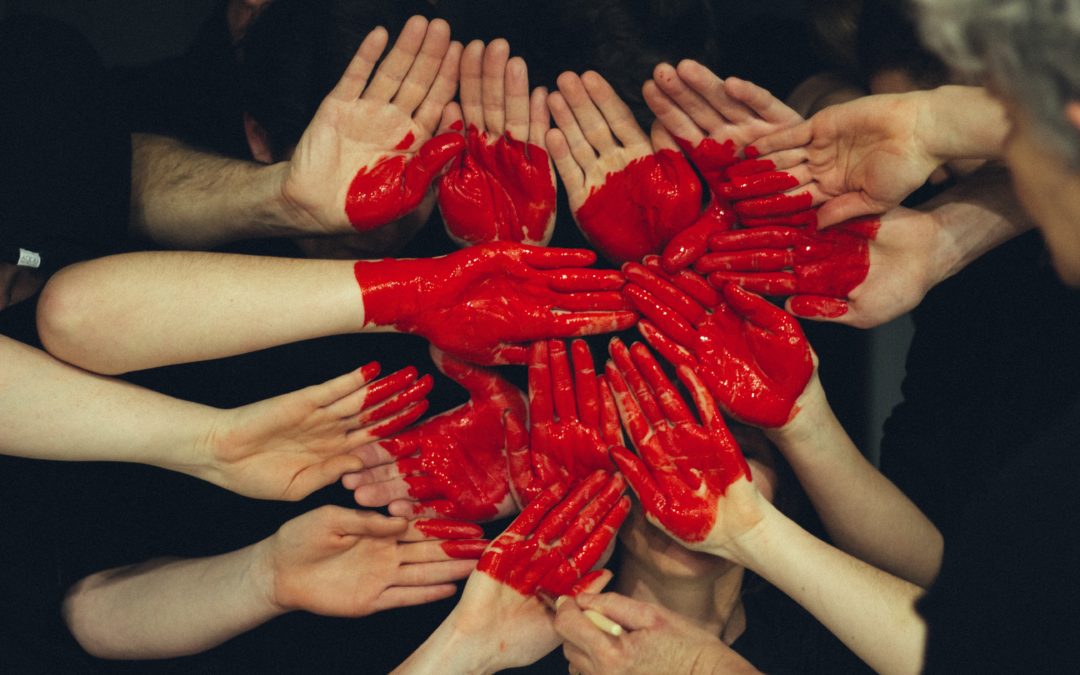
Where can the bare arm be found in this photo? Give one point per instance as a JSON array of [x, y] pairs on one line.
[[331, 561]]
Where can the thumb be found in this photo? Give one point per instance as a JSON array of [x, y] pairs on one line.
[[322, 474], [847, 206], [430, 160], [630, 614], [817, 307]]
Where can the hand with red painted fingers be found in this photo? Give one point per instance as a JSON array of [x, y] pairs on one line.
[[487, 303], [862, 273], [501, 621], [654, 640], [344, 562], [502, 188], [289, 446], [691, 478], [452, 465], [368, 157], [714, 121], [629, 194], [753, 356], [867, 155], [572, 422]]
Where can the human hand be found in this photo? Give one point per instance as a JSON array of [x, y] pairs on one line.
[[861, 273], [655, 640], [564, 450], [714, 122], [864, 156], [548, 549], [753, 356], [686, 469], [453, 464], [344, 562], [368, 156], [630, 195], [291, 445], [484, 303], [502, 188]]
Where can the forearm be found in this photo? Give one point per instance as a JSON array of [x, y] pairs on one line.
[[188, 198], [957, 122], [169, 608], [143, 310], [869, 610], [50, 410], [977, 215], [447, 650], [862, 511]]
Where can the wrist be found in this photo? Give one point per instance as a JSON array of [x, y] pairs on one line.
[[262, 578], [390, 292], [962, 122], [450, 649], [811, 413]]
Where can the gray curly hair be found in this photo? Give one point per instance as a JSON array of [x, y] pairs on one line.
[[1029, 50]]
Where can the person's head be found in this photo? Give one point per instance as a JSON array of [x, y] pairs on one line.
[[1028, 51], [293, 55]]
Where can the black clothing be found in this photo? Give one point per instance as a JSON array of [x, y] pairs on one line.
[[66, 157], [1005, 601], [992, 363]]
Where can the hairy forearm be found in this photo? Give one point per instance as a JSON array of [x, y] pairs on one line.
[[869, 610], [188, 198], [169, 608], [977, 215], [959, 122], [862, 511], [143, 310], [50, 410]]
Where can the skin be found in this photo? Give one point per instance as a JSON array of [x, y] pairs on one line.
[[453, 464], [330, 561], [502, 188], [630, 194], [280, 448], [500, 622]]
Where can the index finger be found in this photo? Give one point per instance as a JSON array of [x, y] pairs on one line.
[[391, 73], [356, 74]]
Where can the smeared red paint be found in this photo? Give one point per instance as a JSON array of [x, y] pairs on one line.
[[637, 210], [455, 463], [485, 302], [758, 185], [793, 260], [690, 244], [378, 391], [752, 355], [414, 393], [711, 158], [369, 371], [817, 307], [499, 191], [555, 542], [571, 426], [465, 550], [464, 540], [406, 142], [395, 184], [774, 205], [684, 467], [441, 528]]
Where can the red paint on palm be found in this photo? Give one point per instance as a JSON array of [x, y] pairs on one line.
[[690, 244], [685, 467], [637, 210], [816, 307], [485, 303], [571, 423], [396, 183], [752, 355], [556, 541], [455, 463], [778, 260], [498, 191]]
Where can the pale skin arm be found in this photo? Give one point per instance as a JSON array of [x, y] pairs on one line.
[[141, 310], [862, 511], [280, 448], [331, 561], [869, 610]]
